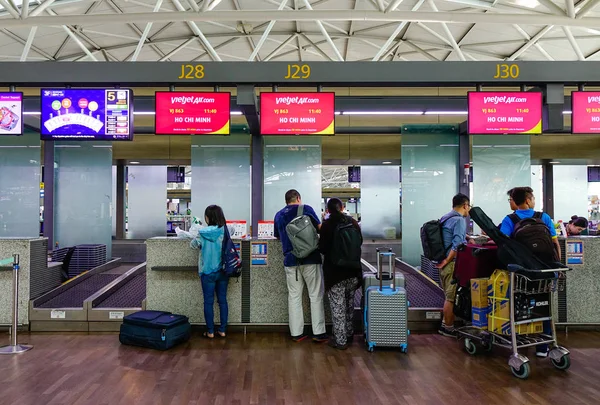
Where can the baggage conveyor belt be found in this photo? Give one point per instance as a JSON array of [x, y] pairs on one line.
[[426, 298], [94, 301]]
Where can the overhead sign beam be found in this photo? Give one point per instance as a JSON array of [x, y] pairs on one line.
[[153, 74]]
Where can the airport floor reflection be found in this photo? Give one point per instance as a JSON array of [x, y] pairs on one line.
[[267, 368]]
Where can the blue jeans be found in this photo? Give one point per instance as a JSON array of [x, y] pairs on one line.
[[215, 283]]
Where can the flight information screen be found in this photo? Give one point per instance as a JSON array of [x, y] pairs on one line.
[[297, 113], [585, 110], [11, 114], [192, 113], [80, 114], [505, 113]]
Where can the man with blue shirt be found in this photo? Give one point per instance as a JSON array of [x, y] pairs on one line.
[[454, 234], [524, 200], [298, 273]]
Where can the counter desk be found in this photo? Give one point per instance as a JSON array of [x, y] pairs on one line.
[[578, 302], [259, 297], [35, 277]]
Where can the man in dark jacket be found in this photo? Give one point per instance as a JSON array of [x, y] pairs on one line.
[[340, 282]]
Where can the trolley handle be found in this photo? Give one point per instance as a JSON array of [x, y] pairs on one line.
[[515, 268]]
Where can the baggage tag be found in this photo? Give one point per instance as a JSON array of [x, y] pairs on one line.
[[433, 316]]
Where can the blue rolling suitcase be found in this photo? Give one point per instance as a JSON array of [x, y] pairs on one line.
[[386, 314], [155, 329]]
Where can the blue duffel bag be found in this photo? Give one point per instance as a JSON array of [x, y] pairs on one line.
[[155, 329]]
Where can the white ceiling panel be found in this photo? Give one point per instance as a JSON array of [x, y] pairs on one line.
[[358, 29]]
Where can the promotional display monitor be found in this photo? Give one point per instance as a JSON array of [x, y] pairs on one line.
[[192, 113], [509, 113], [585, 112], [297, 113], [87, 114], [11, 114]]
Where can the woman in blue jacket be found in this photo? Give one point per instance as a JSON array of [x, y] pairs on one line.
[[210, 267]]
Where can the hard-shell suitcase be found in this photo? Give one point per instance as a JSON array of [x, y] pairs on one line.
[[386, 314], [372, 279], [474, 261], [155, 329]]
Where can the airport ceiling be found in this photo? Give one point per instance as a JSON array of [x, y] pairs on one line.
[[299, 30]]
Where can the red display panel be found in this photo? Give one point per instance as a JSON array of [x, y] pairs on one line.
[[297, 113], [585, 110], [192, 113], [505, 113]]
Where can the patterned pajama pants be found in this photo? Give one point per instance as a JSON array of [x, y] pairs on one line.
[[341, 300]]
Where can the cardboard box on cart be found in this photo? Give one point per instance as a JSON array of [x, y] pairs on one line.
[[480, 305], [499, 317]]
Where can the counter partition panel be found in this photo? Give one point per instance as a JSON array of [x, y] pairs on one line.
[[20, 184]]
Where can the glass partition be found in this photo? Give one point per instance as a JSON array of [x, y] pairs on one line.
[[429, 181], [500, 162], [291, 162], [146, 201], [570, 192], [20, 186], [221, 175], [380, 201], [83, 194]]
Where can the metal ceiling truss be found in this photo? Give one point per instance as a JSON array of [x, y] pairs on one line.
[[321, 30]]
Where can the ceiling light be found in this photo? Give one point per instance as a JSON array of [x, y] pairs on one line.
[[554, 163], [235, 113], [446, 112], [386, 163], [31, 113], [134, 163], [567, 112], [143, 113], [528, 3], [382, 113]]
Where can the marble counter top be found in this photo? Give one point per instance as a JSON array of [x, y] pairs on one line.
[[32, 252]]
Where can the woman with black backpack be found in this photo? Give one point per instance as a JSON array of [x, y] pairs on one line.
[[340, 243]]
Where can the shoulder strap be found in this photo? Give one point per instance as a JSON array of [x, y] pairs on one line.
[[514, 218], [300, 210], [538, 215]]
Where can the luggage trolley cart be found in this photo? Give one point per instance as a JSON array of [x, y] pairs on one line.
[[544, 282]]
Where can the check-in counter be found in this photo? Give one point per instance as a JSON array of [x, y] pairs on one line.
[[258, 297], [578, 303], [33, 271]]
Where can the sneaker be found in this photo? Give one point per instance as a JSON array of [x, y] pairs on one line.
[[320, 338], [299, 338], [444, 331], [333, 344]]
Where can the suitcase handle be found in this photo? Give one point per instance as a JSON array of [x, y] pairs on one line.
[[390, 255]]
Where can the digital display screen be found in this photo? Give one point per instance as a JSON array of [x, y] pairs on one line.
[[297, 113], [496, 113], [11, 114], [92, 114], [192, 113], [585, 110]]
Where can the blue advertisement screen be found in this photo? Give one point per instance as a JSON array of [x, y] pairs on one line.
[[86, 114]]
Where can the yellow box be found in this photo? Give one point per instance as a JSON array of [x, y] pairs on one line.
[[530, 328], [479, 292], [499, 293]]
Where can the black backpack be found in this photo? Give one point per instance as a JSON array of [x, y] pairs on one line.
[[510, 251], [346, 245], [433, 241], [533, 233]]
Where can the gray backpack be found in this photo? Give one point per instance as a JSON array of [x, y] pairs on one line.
[[302, 234]]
